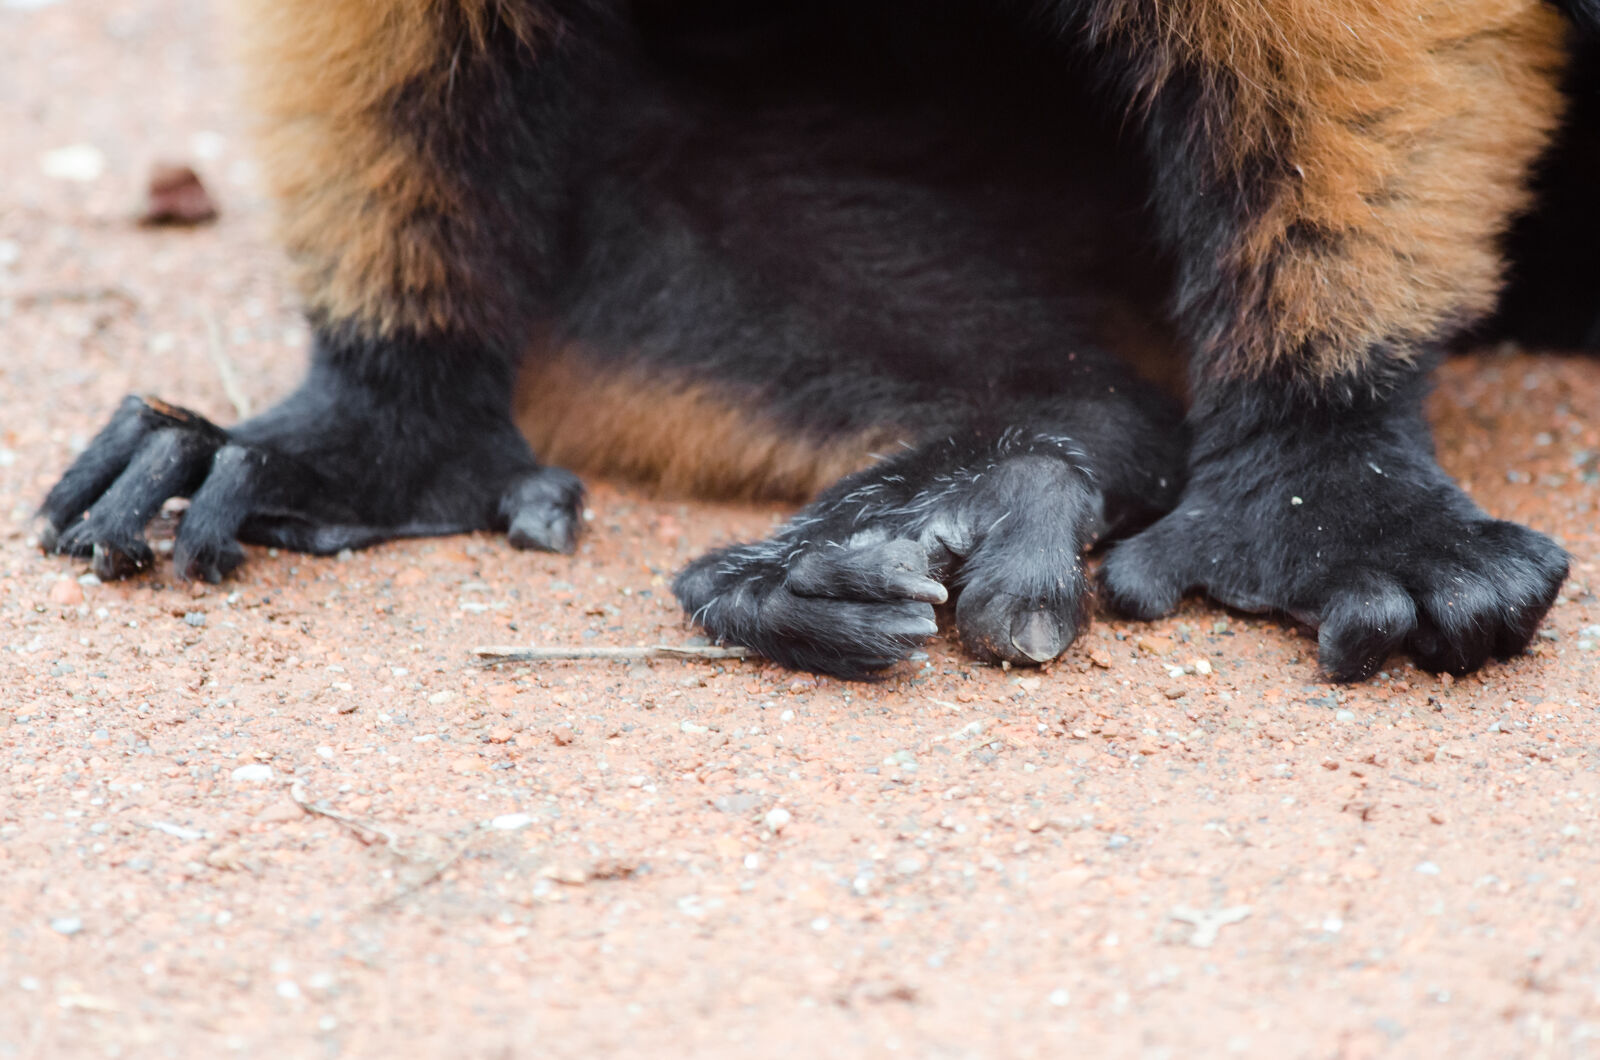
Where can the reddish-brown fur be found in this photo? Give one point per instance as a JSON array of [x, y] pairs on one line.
[[369, 223], [1409, 127], [684, 439]]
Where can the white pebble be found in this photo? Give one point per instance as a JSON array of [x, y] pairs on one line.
[[777, 819], [1060, 998], [510, 822], [66, 925], [255, 773], [83, 163], [1428, 868]]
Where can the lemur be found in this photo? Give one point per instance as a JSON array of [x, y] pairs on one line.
[[981, 283]]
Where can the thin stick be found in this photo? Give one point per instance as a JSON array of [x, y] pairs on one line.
[[493, 656], [76, 294], [219, 357], [366, 833], [369, 834]]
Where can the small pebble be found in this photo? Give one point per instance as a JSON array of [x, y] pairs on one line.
[[777, 819], [80, 163], [255, 773], [1428, 868], [510, 822], [66, 593], [66, 925]]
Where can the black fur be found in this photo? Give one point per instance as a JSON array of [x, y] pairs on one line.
[[1319, 498], [358, 454], [400, 435], [931, 268], [1336, 512], [1552, 297], [997, 520], [842, 216], [1586, 13]]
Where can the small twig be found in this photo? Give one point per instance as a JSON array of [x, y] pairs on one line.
[[51, 295], [367, 834], [493, 656], [999, 743], [224, 365]]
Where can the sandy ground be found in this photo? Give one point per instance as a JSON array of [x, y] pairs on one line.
[[1175, 842]]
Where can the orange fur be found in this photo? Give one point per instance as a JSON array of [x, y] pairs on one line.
[[367, 221], [680, 438], [1409, 127]]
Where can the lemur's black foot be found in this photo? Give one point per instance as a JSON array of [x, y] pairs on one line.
[[1352, 528], [848, 586], [308, 475]]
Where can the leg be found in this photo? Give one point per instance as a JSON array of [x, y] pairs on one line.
[[419, 150], [1333, 179]]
